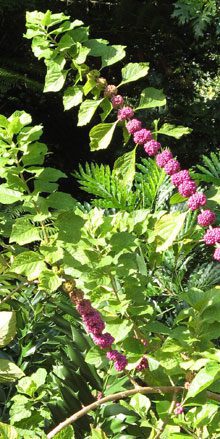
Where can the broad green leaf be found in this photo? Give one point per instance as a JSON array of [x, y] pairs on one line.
[[124, 168], [61, 201], [72, 97], [28, 263], [49, 281], [151, 97], [34, 154], [133, 71], [204, 378], [174, 131], [97, 433], [106, 106], [109, 54], [112, 55], [52, 253], [95, 356], [7, 327], [177, 198], [167, 229], [69, 225], [119, 329], [56, 76], [203, 416], [29, 134], [87, 110], [9, 371], [23, 232], [101, 135], [9, 196], [7, 431], [140, 404], [66, 433]]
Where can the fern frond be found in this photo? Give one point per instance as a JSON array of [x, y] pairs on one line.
[[9, 78], [153, 185], [99, 181], [210, 170], [204, 276]]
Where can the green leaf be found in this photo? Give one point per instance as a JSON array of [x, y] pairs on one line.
[[28, 263], [97, 433], [109, 54], [176, 199], [124, 168], [23, 232], [133, 71], [34, 154], [7, 327], [61, 201], [69, 225], [167, 229], [174, 131], [101, 135], [49, 281], [95, 356], [39, 377], [66, 433], [72, 97], [87, 110], [140, 404], [151, 97], [204, 378], [118, 329], [8, 431], [56, 76], [112, 55], [9, 196], [9, 371]]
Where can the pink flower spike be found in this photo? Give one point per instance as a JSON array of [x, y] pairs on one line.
[[171, 167], [206, 218], [133, 125], [163, 158], [152, 147], [216, 254], [187, 188], [180, 177], [196, 200], [117, 101], [142, 136], [125, 113]]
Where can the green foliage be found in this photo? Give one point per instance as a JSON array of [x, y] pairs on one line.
[[201, 13], [131, 252]]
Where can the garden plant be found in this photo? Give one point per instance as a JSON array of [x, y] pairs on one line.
[[110, 307]]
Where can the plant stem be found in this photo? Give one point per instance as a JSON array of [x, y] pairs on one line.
[[115, 397], [13, 292]]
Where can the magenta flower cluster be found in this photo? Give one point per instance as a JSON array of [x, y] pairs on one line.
[[142, 365], [178, 409], [95, 326], [179, 178], [120, 361]]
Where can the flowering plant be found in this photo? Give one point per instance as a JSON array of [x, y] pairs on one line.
[[130, 273]]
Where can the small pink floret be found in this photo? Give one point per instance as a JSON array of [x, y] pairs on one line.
[[163, 158], [117, 101], [196, 200], [212, 236], [133, 125], [142, 365], [171, 167], [216, 254], [125, 113], [206, 218], [142, 136], [180, 177], [152, 147], [187, 188], [104, 340]]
